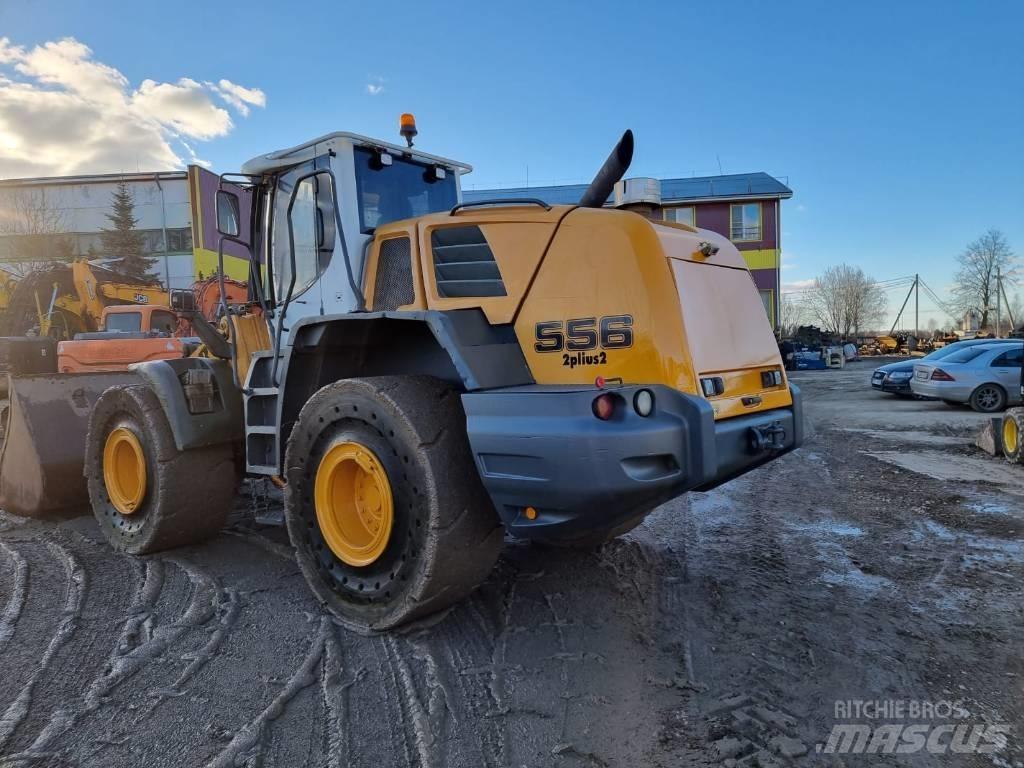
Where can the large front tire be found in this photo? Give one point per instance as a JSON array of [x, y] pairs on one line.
[[146, 495], [384, 506]]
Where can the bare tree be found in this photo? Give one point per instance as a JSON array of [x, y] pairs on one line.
[[975, 282], [34, 230], [793, 313], [845, 301]]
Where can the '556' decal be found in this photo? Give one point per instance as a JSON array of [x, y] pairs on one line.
[[583, 334]]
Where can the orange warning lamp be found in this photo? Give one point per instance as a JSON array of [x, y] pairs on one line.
[[407, 125]]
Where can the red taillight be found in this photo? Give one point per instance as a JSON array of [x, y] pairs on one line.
[[604, 406], [940, 375]]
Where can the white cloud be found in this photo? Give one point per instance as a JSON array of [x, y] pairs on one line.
[[238, 96], [375, 86], [62, 112], [798, 286]]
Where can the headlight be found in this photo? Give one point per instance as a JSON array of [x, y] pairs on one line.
[[900, 375]]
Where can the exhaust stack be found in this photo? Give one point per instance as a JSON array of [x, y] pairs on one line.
[[614, 168]]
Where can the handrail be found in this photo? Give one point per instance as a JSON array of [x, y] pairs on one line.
[[502, 201]]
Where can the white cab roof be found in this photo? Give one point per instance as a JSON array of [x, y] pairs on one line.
[[284, 158]]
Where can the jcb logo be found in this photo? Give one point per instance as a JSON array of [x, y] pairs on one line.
[[584, 333]]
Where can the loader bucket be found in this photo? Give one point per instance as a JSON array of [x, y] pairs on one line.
[[44, 419]]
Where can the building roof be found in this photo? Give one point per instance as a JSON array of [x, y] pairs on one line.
[[94, 178], [735, 186]]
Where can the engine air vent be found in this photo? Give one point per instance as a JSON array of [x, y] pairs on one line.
[[464, 264], [393, 285]]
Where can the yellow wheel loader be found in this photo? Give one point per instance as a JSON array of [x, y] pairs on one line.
[[437, 374]]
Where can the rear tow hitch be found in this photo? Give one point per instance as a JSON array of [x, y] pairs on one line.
[[771, 437]]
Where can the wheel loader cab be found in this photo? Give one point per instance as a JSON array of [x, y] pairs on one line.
[[318, 207]]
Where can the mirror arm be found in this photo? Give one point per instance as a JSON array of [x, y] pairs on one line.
[[224, 301]]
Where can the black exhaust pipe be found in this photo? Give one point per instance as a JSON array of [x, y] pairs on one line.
[[614, 168]]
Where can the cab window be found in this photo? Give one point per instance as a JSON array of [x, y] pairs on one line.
[[164, 322], [124, 322], [402, 190], [312, 251]]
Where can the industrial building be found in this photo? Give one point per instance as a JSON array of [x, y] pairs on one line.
[[64, 217], [745, 207]]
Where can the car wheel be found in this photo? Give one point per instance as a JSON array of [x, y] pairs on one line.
[[988, 398]]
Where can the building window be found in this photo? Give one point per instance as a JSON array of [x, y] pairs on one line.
[[745, 221], [179, 240], [768, 299], [681, 215]]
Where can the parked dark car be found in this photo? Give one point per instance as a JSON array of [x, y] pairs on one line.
[[894, 378]]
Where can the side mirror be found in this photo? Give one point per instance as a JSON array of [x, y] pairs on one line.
[[228, 213]]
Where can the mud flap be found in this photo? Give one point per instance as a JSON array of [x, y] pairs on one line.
[[43, 441]]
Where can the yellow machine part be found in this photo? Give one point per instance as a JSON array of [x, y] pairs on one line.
[[617, 296], [252, 335], [354, 506], [94, 295]]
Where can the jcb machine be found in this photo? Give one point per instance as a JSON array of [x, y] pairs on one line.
[[439, 373]]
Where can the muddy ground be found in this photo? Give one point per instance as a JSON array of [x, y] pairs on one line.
[[883, 561]]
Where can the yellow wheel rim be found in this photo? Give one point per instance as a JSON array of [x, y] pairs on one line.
[[1011, 435], [354, 506], [124, 470]]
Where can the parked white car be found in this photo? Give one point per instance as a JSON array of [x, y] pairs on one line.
[[988, 376]]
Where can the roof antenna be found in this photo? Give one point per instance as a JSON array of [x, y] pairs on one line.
[[719, 164]]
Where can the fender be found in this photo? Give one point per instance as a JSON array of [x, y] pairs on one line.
[[223, 424], [459, 347]]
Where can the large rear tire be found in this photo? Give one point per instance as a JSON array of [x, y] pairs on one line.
[[384, 506], [146, 495]]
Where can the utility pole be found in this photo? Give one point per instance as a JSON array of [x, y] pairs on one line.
[[999, 298], [917, 307]]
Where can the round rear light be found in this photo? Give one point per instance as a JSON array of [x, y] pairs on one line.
[[643, 402], [604, 406]]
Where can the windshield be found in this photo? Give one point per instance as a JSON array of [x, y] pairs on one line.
[[398, 191], [124, 322]]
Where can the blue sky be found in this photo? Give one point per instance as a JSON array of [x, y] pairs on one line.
[[899, 125]]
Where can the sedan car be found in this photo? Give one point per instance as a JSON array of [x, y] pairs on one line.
[[895, 377], [986, 376]]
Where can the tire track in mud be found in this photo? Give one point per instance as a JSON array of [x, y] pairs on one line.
[[16, 601], [247, 743], [75, 588]]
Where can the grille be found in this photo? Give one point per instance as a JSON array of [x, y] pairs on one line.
[[393, 285], [464, 264]]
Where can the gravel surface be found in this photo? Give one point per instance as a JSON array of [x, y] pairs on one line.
[[720, 632]]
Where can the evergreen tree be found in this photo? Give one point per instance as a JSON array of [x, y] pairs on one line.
[[122, 241]]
